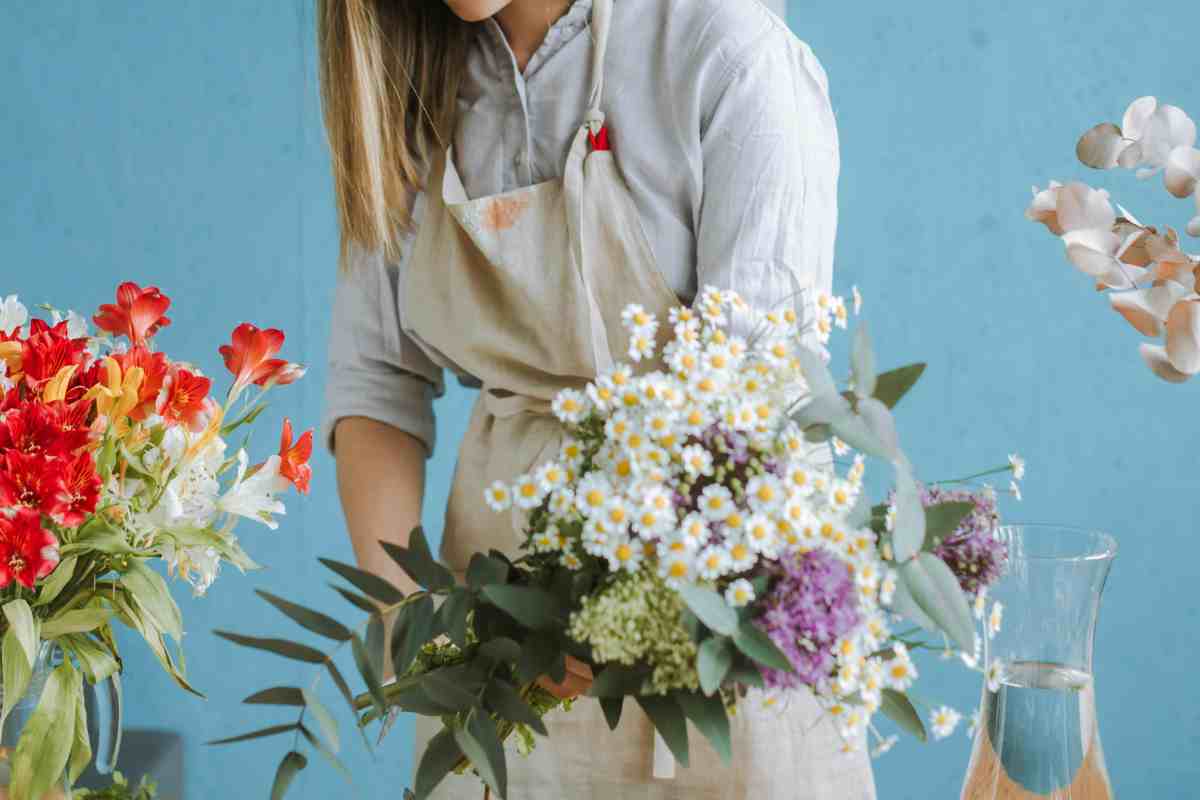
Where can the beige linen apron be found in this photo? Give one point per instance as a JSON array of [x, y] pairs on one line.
[[524, 291]]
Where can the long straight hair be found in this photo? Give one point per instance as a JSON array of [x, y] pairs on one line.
[[390, 74]]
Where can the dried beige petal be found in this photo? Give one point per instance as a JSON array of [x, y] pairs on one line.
[[1147, 309], [1183, 337], [1100, 147], [1139, 111], [1156, 358], [1081, 207], [1182, 171]]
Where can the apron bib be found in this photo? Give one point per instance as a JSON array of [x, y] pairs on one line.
[[524, 291]]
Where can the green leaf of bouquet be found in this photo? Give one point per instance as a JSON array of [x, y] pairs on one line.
[[95, 661], [616, 680], [757, 645], [55, 582], [277, 696], [340, 682], [862, 362], [20, 620], [452, 615], [667, 715], [80, 620], [441, 755], [280, 647], [481, 745], [99, 537], [45, 745], [132, 616], [746, 674], [447, 693], [81, 744], [943, 519], [412, 630], [906, 606], [325, 720], [369, 584], [363, 661], [891, 386], [908, 536], [418, 562], [899, 709], [261, 733], [16, 671], [377, 648], [710, 718], [323, 750], [713, 661], [612, 707], [711, 608], [356, 600], [308, 619], [291, 765], [937, 593], [506, 703], [532, 607], [539, 654], [484, 570], [149, 591], [502, 650]]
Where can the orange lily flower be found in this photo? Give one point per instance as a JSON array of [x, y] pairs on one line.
[[250, 357], [183, 401], [138, 313], [293, 459]]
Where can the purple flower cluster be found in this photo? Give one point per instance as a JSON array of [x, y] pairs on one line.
[[973, 553], [812, 604]]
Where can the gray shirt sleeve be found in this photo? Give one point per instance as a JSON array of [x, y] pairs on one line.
[[375, 370]]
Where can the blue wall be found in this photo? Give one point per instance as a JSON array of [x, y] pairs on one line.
[[180, 143]]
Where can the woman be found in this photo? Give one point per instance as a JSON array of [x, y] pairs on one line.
[[510, 174]]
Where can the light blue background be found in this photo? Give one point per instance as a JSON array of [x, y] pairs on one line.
[[180, 143]]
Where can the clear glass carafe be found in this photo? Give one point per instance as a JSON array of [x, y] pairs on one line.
[[1038, 736]]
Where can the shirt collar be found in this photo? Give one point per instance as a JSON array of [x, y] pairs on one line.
[[564, 29]]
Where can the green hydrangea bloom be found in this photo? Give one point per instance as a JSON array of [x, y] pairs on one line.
[[638, 619]]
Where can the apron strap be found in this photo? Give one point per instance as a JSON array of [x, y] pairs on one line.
[[601, 25]]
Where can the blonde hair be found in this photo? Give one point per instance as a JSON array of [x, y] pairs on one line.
[[390, 73]]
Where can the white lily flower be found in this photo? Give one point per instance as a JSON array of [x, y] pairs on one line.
[[253, 496], [13, 314]]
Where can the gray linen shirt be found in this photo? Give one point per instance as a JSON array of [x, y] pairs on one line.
[[721, 125]]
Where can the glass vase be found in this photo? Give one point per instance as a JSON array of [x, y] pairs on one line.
[[103, 703], [1038, 735]]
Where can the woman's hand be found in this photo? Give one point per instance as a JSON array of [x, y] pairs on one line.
[[577, 681]]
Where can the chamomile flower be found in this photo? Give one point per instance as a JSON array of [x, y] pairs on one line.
[[498, 496], [840, 314], [571, 561], [694, 528], [593, 494], [551, 476], [1018, 466], [547, 541], [842, 496], [741, 556], [528, 492], [899, 670], [739, 593], [596, 537], [884, 745], [855, 474], [659, 423], [973, 723], [840, 448], [765, 493], [980, 604], [562, 502], [651, 522], [943, 721], [617, 514], [799, 479], [621, 376], [760, 533], [618, 426], [716, 502], [676, 568], [570, 406], [602, 393], [713, 562], [680, 314], [571, 453], [994, 619], [624, 554], [693, 419], [1015, 489], [887, 588], [994, 674], [858, 299], [706, 386], [636, 318], [641, 346]]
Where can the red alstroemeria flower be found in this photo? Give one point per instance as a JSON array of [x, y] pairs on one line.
[[48, 350], [182, 401], [154, 373], [137, 315], [33, 481], [28, 552], [81, 491], [38, 429], [293, 459], [250, 359]]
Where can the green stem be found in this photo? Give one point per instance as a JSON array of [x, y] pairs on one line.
[[984, 474]]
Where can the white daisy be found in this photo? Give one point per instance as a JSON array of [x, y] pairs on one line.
[[528, 492], [994, 675], [680, 314], [739, 593], [624, 554], [636, 318], [716, 502], [697, 461], [741, 556], [765, 493], [602, 393], [562, 501], [593, 494], [1018, 466], [1015, 488], [713, 562], [760, 533], [551, 476], [842, 495], [858, 299], [899, 670], [840, 448], [994, 619], [546, 541], [498, 496], [570, 406], [973, 724], [884, 746], [571, 453], [571, 561], [676, 568], [943, 721], [695, 529], [799, 479], [617, 514], [641, 346]]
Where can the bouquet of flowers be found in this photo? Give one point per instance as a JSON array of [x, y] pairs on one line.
[[695, 544], [113, 457], [1154, 283]]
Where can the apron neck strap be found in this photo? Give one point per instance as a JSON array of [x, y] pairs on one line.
[[601, 24]]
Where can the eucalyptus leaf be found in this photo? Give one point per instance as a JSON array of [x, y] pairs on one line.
[[713, 661], [862, 362], [56, 581], [757, 645], [908, 535], [277, 696], [452, 615], [905, 606], [711, 608], [943, 519], [291, 765], [418, 562], [45, 745], [323, 750], [280, 647], [710, 718], [816, 372], [480, 743], [363, 661], [616, 680], [539, 655], [899, 709], [376, 647], [357, 600], [484, 570], [667, 715], [412, 631], [504, 700], [441, 755], [328, 725], [446, 693], [340, 682], [746, 674], [891, 386], [501, 650], [937, 592], [262, 733], [532, 607], [369, 584], [314, 621], [612, 707]]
